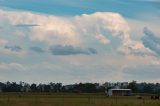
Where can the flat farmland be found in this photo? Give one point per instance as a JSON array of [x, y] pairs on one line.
[[72, 99]]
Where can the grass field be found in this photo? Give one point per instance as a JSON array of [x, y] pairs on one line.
[[59, 99]]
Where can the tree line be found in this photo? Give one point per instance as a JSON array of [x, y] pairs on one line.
[[144, 87]]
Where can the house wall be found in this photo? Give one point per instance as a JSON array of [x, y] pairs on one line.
[[110, 92], [119, 92]]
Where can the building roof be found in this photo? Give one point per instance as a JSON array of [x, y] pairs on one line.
[[121, 89]]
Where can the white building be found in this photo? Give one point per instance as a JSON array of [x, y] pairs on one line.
[[119, 92]]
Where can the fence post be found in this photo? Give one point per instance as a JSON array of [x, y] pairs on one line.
[[89, 100], [63, 99], [143, 101], [8, 100]]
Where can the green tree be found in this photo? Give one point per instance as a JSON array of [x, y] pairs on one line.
[[133, 86]]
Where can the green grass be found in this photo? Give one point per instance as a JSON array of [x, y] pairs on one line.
[[59, 99]]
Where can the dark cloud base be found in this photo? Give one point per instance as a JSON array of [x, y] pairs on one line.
[[151, 41], [36, 49], [71, 50], [13, 48]]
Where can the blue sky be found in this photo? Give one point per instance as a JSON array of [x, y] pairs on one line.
[[72, 41]]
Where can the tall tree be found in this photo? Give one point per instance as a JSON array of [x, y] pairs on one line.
[[133, 85]]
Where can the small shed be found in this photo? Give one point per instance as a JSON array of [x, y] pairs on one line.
[[119, 92]]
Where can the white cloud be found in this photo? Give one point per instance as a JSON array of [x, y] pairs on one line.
[[76, 30], [135, 48], [81, 30], [102, 39], [69, 30], [104, 24]]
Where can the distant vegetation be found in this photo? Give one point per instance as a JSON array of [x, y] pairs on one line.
[[151, 88]]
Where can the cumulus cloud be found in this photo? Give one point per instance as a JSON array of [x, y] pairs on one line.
[[36, 49], [140, 47], [135, 48], [71, 50], [69, 30], [102, 24], [83, 30], [102, 39], [151, 41], [13, 48]]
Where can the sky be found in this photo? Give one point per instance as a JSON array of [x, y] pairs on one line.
[[72, 41]]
